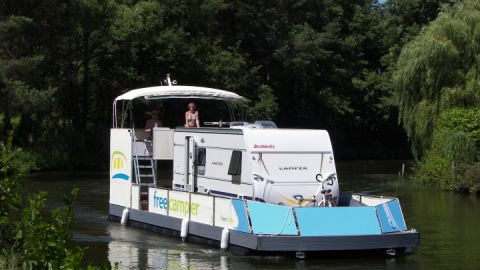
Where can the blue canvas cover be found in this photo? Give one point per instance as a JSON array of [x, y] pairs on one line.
[[329, 221], [271, 219], [391, 217], [239, 207]]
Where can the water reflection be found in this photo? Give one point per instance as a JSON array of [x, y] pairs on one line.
[[131, 248]]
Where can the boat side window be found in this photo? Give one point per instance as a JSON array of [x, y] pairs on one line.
[[235, 168], [201, 160]]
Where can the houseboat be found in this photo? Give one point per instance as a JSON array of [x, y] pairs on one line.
[[239, 184]]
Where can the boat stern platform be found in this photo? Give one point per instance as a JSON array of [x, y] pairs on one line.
[[360, 222]]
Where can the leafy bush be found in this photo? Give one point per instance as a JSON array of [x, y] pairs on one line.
[[9, 260], [39, 240], [432, 169], [467, 178], [466, 120], [266, 107], [43, 239], [436, 170], [30, 238], [15, 161], [455, 145], [450, 162]]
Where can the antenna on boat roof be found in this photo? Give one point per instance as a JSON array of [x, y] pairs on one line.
[[170, 82]]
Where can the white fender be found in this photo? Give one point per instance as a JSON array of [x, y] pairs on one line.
[[125, 214], [184, 229], [225, 238]]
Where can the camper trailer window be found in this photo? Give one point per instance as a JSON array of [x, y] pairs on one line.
[[235, 167], [200, 161], [201, 154]]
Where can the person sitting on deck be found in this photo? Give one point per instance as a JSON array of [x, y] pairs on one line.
[[152, 122], [191, 116]]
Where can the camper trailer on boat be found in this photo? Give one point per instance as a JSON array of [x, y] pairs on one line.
[[237, 183], [278, 166]]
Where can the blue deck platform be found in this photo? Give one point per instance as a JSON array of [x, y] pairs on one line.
[[360, 222]]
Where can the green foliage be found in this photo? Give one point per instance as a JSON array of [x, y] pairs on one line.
[[438, 70], [458, 134], [467, 178], [436, 79], [9, 260], [13, 160], [266, 107], [30, 238], [436, 170], [455, 145], [40, 240], [451, 160], [433, 169], [466, 120], [43, 239], [61, 65], [229, 69], [10, 203], [63, 149]]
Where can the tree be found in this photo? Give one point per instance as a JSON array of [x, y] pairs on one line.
[[311, 64], [439, 70], [24, 100]]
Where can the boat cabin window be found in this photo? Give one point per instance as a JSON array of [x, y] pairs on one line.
[[235, 168], [201, 160]]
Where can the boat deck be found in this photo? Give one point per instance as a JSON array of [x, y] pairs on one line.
[[253, 240]]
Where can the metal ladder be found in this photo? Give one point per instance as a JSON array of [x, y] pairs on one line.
[[145, 174], [143, 165], [144, 171], [145, 177]]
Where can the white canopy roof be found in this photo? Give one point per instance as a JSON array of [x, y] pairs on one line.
[[180, 91]]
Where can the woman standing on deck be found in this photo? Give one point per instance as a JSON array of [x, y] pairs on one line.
[[191, 116]]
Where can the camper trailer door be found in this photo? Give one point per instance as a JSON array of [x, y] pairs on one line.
[[191, 177]]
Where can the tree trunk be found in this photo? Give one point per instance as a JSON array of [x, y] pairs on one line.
[[86, 79]]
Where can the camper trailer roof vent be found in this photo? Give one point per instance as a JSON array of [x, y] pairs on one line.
[[257, 124], [238, 124], [264, 124]]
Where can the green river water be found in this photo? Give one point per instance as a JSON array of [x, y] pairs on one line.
[[449, 225]]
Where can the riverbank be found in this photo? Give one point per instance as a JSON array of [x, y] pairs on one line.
[[436, 171]]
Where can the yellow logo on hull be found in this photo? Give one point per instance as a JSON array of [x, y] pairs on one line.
[[119, 162]]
